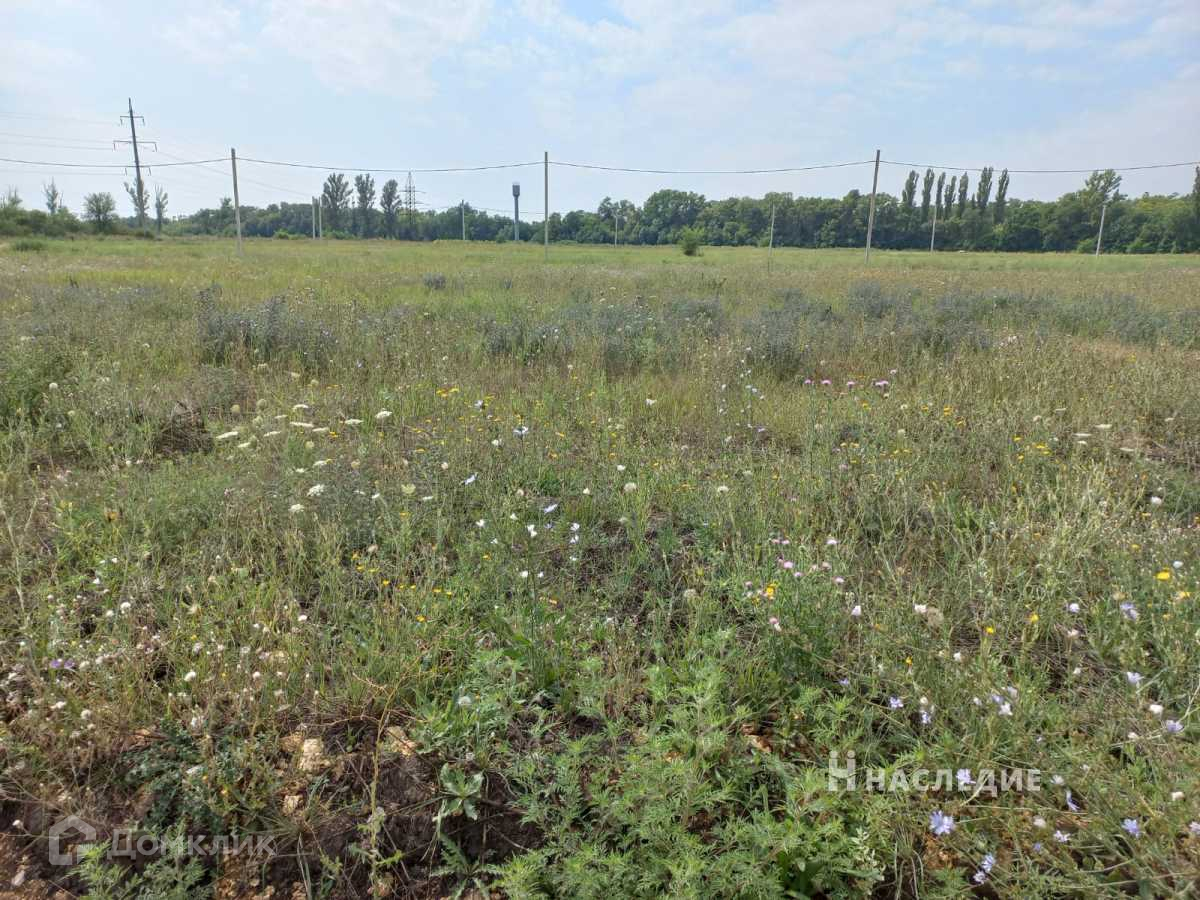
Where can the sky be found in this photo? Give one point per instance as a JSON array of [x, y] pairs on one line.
[[661, 84]]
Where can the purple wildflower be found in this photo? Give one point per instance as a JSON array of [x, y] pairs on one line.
[[940, 823], [1132, 826]]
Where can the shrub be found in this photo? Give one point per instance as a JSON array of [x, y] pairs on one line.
[[434, 281], [28, 245], [689, 241], [269, 333]]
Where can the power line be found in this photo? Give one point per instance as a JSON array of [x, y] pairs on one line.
[[782, 171], [43, 162], [8, 115], [1177, 165], [293, 165]]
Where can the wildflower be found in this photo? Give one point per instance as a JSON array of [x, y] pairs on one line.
[[521, 430], [316, 490], [856, 612], [1062, 837], [774, 622], [722, 489], [352, 421], [940, 823], [1132, 827], [1164, 575], [1072, 607], [1156, 501], [1156, 709], [227, 436], [480, 523], [383, 415], [630, 487], [470, 479], [1071, 804], [1129, 611], [963, 777], [650, 402], [1134, 678], [549, 509], [831, 542], [464, 701], [895, 702], [1194, 828], [190, 676], [1172, 726]]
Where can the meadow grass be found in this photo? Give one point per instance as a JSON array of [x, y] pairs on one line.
[[452, 570]]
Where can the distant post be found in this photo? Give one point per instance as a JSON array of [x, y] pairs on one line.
[[462, 208], [516, 211], [237, 206], [771, 240], [933, 233], [320, 222], [546, 198], [1100, 233], [871, 213], [314, 218]]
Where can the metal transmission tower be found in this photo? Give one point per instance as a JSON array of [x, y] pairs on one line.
[[137, 162], [410, 204], [516, 211]]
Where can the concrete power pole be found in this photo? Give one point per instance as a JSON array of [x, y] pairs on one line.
[[1100, 233], [771, 241], [137, 161], [933, 232], [462, 208], [871, 214], [546, 207], [237, 205], [516, 211], [314, 218]]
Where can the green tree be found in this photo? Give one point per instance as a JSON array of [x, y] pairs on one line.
[[335, 199], [1001, 196], [160, 207], [140, 197], [1101, 187], [99, 209], [949, 204], [54, 200], [909, 195], [389, 204], [962, 194], [983, 190], [941, 187], [926, 194], [364, 187]]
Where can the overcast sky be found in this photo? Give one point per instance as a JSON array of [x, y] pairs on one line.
[[668, 84]]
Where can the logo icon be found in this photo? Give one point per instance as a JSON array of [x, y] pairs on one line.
[[65, 830]]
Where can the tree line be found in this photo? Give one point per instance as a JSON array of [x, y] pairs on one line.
[[957, 211]]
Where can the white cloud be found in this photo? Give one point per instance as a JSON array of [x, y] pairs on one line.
[[211, 35], [386, 47]]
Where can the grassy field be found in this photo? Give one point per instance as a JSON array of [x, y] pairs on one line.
[[451, 571]]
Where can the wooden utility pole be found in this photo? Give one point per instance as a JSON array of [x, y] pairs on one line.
[[933, 233], [871, 214], [1100, 233], [771, 241], [237, 205], [546, 212]]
